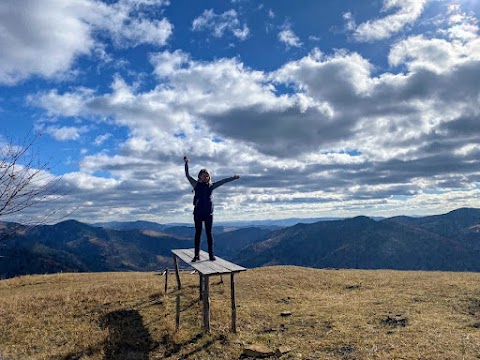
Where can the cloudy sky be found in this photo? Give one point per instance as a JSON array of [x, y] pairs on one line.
[[324, 108]]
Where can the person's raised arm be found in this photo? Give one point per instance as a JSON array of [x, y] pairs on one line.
[[224, 181], [192, 181]]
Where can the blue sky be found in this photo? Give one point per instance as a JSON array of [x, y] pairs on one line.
[[324, 108]]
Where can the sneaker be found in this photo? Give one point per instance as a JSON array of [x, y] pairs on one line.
[[212, 258], [196, 258]]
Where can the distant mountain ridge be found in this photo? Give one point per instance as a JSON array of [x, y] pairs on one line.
[[72, 246], [130, 225], [442, 242]]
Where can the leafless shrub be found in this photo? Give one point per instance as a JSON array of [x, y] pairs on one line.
[[26, 180]]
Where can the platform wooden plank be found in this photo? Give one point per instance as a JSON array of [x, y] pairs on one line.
[[206, 267]]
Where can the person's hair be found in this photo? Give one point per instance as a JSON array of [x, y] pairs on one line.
[[207, 172]]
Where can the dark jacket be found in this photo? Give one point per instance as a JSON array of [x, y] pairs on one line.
[[203, 193], [202, 199]]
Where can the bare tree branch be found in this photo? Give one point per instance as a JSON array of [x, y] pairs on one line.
[[26, 181]]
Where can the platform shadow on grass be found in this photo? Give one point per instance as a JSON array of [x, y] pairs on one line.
[[128, 338], [176, 349]]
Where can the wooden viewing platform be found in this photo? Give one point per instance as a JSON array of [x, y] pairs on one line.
[[207, 268]]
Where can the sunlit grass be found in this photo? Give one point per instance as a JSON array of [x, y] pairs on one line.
[[330, 314]]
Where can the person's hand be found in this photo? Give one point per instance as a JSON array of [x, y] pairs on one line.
[[185, 159], [236, 177]]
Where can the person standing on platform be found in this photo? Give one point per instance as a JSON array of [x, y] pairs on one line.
[[203, 206]]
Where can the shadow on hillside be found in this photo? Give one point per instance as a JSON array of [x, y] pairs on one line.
[[128, 338]]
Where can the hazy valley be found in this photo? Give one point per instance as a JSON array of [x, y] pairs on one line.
[[449, 242]]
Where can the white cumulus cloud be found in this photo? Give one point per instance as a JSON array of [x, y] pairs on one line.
[[66, 133], [407, 12], [219, 24], [322, 133], [45, 38], [288, 37]]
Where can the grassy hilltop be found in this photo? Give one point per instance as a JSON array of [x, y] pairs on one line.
[[335, 314]]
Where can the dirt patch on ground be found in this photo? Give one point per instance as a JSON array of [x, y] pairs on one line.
[[394, 321]]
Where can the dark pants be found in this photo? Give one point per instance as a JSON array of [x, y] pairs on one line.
[[198, 232]]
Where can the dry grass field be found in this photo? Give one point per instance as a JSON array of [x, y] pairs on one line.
[[331, 314]]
